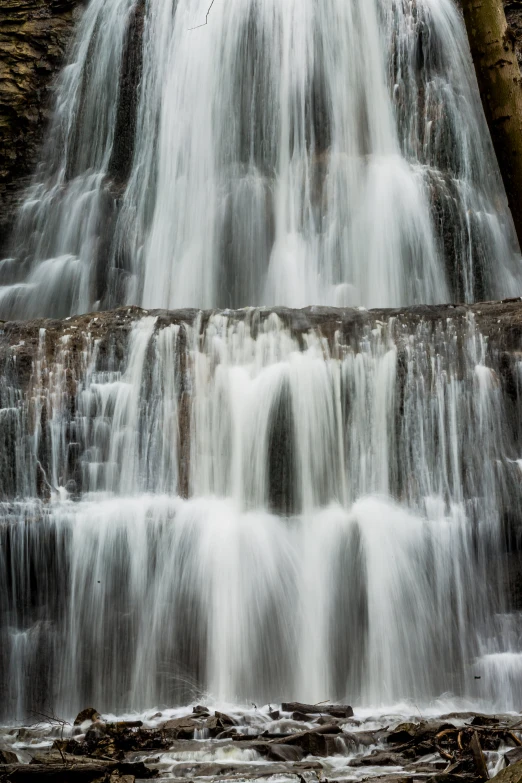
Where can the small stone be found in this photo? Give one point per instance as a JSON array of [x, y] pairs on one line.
[[89, 713], [200, 710]]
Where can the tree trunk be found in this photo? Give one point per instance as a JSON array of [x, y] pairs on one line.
[[498, 74]]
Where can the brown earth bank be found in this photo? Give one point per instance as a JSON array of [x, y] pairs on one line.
[[293, 741]]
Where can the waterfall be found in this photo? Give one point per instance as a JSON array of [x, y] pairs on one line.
[[243, 500], [288, 153], [229, 504]]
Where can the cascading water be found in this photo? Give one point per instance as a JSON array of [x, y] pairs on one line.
[[220, 514], [284, 153], [259, 505]]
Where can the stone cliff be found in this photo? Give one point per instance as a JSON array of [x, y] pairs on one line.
[[34, 35]]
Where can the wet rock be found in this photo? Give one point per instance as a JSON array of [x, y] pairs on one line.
[[279, 751], [8, 757], [34, 35], [484, 720], [181, 728], [367, 738], [300, 716], [114, 740], [514, 755], [424, 768], [443, 777], [336, 710], [404, 732], [419, 737], [379, 758], [89, 713], [195, 769], [127, 724], [95, 732], [200, 710], [314, 742], [227, 734], [396, 777], [511, 774], [213, 725], [124, 772]]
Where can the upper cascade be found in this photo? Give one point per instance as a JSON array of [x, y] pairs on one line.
[[263, 152]]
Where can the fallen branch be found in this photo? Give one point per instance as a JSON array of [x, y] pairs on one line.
[[514, 738], [206, 18]]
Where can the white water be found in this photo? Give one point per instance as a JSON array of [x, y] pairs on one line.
[[288, 153], [327, 549]]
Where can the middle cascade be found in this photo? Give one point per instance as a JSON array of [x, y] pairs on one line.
[[284, 153], [239, 507]]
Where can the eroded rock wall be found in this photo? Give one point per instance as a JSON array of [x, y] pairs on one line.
[[34, 35], [513, 9]]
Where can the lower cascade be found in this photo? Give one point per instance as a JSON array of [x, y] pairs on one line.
[[259, 503]]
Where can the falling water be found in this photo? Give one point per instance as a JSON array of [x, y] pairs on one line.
[[284, 153], [259, 504], [222, 504]]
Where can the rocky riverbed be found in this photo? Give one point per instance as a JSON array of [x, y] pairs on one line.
[[286, 742]]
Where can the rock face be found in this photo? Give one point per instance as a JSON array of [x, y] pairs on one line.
[[33, 39], [513, 9]]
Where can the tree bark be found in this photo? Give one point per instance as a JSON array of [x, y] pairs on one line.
[[498, 75]]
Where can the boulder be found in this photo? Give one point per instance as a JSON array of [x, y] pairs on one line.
[[314, 742], [513, 755], [181, 728], [510, 774]]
